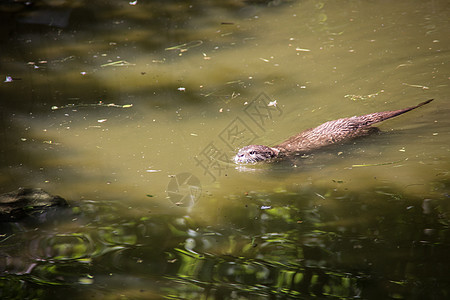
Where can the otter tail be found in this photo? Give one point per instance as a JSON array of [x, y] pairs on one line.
[[384, 115]]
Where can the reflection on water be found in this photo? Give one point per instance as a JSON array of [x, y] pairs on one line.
[[132, 111], [299, 242]]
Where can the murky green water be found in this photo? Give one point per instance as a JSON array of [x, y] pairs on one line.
[[132, 112]]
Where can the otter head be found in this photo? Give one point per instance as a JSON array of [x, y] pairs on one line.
[[255, 153]]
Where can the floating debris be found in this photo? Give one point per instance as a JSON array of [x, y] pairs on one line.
[[119, 63], [320, 196], [64, 59], [92, 105], [363, 97], [272, 103], [206, 57], [51, 143], [380, 164], [404, 65], [417, 86], [186, 46]]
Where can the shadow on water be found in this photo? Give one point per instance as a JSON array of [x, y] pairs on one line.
[[55, 48]]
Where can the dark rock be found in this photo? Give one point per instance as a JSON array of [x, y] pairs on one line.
[[27, 201]]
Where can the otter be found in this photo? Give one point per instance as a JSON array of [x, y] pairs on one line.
[[327, 134]]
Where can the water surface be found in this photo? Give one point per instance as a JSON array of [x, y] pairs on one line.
[[132, 112]]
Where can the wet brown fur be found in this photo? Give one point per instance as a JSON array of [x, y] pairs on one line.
[[328, 133]]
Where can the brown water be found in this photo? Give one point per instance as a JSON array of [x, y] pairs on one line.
[[133, 111]]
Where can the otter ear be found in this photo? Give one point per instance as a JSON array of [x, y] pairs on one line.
[[276, 151]]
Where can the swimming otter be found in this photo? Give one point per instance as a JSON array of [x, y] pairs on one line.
[[328, 133]]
